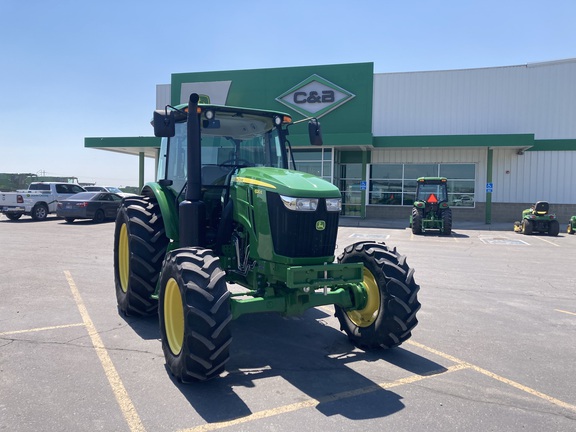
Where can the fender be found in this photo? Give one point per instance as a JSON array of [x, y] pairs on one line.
[[167, 202]]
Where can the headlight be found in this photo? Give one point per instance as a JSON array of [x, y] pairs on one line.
[[300, 204], [334, 204]]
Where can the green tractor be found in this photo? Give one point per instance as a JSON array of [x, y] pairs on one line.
[[228, 229], [431, 210], [571, 225], [538, 219]]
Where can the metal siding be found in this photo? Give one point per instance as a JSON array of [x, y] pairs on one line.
[[162, 95], [536, 99], [534, 176]]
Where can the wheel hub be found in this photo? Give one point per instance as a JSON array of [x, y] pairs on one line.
[[123, 258], [367, 315], [174, 317]]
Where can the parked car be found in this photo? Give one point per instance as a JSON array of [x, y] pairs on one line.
[[112, 189], [464, 200], [97, 206]]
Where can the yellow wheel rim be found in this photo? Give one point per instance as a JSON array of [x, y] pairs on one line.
[[366, 316], [174, 316], [123, 258]]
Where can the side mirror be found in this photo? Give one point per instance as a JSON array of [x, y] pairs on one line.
[[164, 123], [315, 132]]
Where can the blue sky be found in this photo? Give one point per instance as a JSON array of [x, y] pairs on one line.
[[73, 69]]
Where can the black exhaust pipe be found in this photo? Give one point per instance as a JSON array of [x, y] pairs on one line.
[[192, 209]]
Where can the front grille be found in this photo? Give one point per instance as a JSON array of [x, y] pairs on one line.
[[294, 233]]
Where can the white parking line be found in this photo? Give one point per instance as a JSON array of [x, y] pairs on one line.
[[41, 329], [547, 241]]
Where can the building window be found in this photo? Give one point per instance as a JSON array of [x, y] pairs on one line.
[[349, 181], [395, 184], [316, 162]]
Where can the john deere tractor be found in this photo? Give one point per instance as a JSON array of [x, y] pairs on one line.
[[537, 219], [431, 210], [229, 230], [571, 225]]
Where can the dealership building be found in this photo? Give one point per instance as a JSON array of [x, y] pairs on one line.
[[504, 137]]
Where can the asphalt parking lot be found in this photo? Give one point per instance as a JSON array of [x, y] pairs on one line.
[[494, 349]]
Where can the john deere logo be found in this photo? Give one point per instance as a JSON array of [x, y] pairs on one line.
[[315, 97], [320, 225]]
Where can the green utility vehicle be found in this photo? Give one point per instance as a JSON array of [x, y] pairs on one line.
[[571, 225], [431, 210], [538, 219], [229, 230]]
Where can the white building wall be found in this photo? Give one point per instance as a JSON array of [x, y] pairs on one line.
[[162, 95], [535, 99], [534, 176]]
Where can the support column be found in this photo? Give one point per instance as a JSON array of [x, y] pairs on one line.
[[365, 161], [141, 170], [489, 160]]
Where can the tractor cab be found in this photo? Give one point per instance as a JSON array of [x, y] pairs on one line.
[[432, 193]]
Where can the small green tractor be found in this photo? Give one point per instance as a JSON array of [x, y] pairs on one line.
[[537, 219], [431, 210], [228, 229], [571, 225]]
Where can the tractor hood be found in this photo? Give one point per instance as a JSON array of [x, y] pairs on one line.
[[287, 182]]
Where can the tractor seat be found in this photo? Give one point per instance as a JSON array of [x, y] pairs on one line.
[[540, 208]]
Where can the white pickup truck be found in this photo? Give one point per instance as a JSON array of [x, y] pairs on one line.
[[38, 201]]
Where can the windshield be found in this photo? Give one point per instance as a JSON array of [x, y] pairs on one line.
[[234, 142]]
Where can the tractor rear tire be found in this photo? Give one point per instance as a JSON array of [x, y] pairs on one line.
[[527, 226], [195, 314], [417, 216], [447, 221], [389, 315], [553, 228], [140, 244]]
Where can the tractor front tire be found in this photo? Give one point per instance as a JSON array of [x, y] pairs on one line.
[[527, 226], [447, 221], [570, 229], [140, 244], [553, 228], [389, 315], [417, 216], [195, 314]]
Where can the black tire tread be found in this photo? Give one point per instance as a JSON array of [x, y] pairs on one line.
[[147, 245], [207, 313], [447, 221], [398, 290]]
